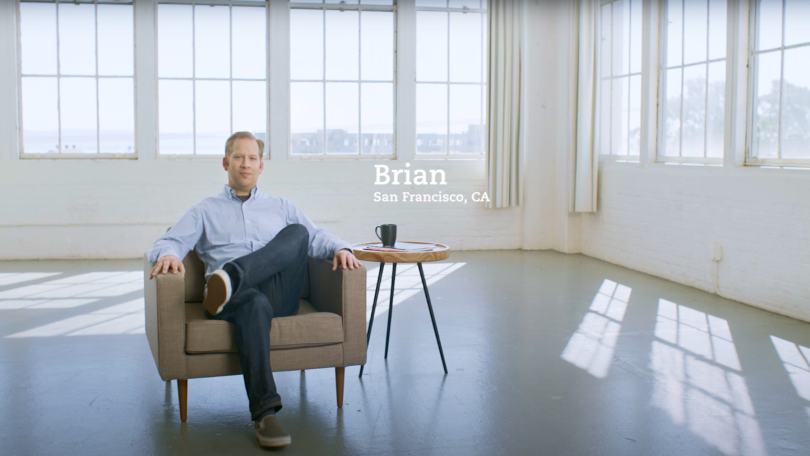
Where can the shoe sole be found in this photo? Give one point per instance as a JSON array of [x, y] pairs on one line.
[[273, 442], [218, 294]]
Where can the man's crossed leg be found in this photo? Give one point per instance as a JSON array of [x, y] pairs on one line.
[[249, 292]]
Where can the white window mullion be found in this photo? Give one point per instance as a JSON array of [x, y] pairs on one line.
[[279, 80], [145, 80], [405, 77], [9, 82]]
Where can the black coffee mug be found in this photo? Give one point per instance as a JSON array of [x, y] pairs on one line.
[[387, 234]]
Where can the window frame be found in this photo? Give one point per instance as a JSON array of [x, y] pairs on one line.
[[58, 76], [643, 75], [751, 53], [447, 155], [394, 8], [230, 3], [661, 81]]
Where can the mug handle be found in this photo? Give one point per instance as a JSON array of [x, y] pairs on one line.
[[378, 234]]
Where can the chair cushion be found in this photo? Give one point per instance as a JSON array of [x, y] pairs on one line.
[[308, 328]]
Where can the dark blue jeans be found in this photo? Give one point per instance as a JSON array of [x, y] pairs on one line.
[[266, 283]]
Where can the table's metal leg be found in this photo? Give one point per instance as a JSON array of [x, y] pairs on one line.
[[432, 317], [390, 308], [373, 309]]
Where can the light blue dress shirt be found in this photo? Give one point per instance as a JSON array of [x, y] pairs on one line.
[[222, 228]]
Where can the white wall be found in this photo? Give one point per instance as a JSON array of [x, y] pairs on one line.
[[663, 220], [116, 208]]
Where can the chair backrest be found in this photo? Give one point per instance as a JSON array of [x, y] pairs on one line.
[[195, 278]]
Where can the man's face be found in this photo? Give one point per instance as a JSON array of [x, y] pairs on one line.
[[244, 166]]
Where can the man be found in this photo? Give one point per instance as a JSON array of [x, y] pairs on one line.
[[255, 248]]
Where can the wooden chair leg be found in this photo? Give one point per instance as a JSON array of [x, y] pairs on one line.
[[182, 393], [339, 374]]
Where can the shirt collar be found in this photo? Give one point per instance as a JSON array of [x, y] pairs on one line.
[[231, 193]]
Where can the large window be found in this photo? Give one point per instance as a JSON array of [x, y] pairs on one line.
[[693, 81], [451, 44], [779, 126], [212, 76], [342, 91], [619, 89], [76, 79]]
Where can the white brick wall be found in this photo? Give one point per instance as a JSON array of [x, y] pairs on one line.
[[663, 220], [115, 209]]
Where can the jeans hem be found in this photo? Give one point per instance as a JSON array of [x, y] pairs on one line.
[[276, 405]]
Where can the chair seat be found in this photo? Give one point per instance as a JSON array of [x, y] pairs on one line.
[[308, 328]]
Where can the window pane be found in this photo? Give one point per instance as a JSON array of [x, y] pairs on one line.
[[250, 107], [38, 38], [77, 39], [377, 41], [694, 110], [766, 105], [715, 109], [604, 117], [212, 42], [78, 115], [621, 108], [466, 127], [176, 117], [672, 114], [213, 120], [348, 2], [605, 39], [306, 44], [376, 2], [432, 3], [342, 45], [769, 24], [40, 115], [377, 117], [635, 36], [621, 37], [175, 35], [472, 4], [674, 32], [717, 29], [115, 40], [466, 43], [431, 118], [431, 46], [634, 120], [797, 18], [695, 31], [249, 42], [116, 115], [342, 117], [306, 117], [796, 104]]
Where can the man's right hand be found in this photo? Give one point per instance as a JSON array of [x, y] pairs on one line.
[[165, 263]]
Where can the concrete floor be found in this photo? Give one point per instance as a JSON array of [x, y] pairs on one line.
[[547, 354]]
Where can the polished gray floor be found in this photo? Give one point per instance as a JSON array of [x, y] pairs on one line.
[[547, 354]]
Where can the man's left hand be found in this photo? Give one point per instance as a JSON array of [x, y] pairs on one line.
[[346, 259]]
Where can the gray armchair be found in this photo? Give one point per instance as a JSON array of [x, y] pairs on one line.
[[328, 331]]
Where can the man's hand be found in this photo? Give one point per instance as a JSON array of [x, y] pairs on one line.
[[168, 262], [346, 259]]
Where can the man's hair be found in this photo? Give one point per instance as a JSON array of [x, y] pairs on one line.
[[242, 135]]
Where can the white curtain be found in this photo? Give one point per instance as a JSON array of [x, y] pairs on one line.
[[503, 115], [587, 158]]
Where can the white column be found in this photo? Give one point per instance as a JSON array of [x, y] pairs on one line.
[[146, 79]]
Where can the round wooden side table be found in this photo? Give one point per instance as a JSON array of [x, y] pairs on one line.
[[439, 252]]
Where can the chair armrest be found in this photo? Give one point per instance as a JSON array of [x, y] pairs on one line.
[[165, 308], [342, 292]]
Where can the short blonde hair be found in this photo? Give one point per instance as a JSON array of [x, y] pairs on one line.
[[242, 135]]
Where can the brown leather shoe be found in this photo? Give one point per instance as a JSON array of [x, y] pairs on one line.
[[219, 292], [270, 433]]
